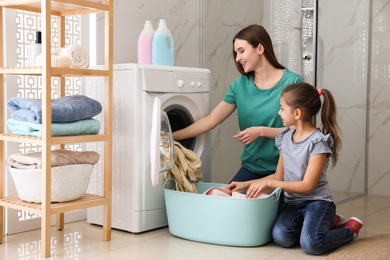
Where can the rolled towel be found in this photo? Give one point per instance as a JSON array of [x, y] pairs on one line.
[[59, 157], [81, 127], [79, 57], [56, 61], [64, 109]]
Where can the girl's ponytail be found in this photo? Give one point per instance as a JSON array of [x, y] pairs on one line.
[[328, 118]]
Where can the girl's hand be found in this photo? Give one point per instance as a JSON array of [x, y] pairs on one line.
[[237, 186], [248, 135], [255, 188]]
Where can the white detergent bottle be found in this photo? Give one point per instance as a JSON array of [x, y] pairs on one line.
[[145, 41], [163, 48]]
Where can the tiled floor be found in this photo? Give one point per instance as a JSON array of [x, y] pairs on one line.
[[81, 240]]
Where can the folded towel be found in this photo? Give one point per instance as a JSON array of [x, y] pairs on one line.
[[81, 127], [56, 61], [78, 56], [59, 157], [64, 109], [224, 192], [186, 170]]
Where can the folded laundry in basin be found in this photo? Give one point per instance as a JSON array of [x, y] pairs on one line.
[[81, 127], [79, 57], [60, 157], [64, 109], [224, 192]]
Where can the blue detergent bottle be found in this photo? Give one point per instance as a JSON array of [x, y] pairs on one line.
[[162, 46]]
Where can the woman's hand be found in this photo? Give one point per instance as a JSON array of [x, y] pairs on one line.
[[248, 135], [237, 186]]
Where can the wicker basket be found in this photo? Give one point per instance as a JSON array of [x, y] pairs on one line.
[[68, 182]]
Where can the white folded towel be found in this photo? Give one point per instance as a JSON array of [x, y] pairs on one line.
[[78, 56], [56, 61]]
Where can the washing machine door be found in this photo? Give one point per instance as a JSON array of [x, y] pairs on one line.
[[162, 147]]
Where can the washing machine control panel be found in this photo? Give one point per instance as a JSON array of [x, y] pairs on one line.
[[172, 79], [191, 81]]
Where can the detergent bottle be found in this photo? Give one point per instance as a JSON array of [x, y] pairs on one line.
[[163, 47], [145, 41]]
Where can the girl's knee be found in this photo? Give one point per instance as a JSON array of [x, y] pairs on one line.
[[282, 238], [312, 247]]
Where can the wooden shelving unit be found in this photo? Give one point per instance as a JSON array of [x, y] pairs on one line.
[[59, 8]]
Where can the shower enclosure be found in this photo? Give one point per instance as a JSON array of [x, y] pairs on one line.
[[327, 42]]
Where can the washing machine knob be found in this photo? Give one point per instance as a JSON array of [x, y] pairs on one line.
[[199, 84], [180, 83], [192, 84]]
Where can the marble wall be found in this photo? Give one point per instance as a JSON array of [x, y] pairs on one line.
[[342, 58], [186, 22], [343, 45], [224, 19], [182, 18], [379, 123]]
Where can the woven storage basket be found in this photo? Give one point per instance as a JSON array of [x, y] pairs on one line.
[[68, 182]]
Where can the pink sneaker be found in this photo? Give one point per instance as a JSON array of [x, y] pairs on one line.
[[353, 224], [338, 220]]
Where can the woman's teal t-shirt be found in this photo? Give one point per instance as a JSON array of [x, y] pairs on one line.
[[259, 107]]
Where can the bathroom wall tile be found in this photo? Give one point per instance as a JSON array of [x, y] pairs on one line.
[[342, 59], [224, 19], [343, 65], [379, 127], [285, 27], [182, 19]]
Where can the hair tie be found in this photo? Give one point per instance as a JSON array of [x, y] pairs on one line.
[[319, 92]]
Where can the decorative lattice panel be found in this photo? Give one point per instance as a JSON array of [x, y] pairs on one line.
[[307, 39], [292, 31]]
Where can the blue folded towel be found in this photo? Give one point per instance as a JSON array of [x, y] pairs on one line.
[[81, 127], [64, 109]]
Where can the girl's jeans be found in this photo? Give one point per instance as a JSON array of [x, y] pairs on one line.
[[308, 224]]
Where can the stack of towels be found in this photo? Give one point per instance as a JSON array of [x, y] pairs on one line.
[[60, 157], [71, 115]]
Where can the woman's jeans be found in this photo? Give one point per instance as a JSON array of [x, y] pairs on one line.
[[308, 224], [246, 175]]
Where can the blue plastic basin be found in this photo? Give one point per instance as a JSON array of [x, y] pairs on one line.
[[220, 220]]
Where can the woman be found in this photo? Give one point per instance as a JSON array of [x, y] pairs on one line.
[[255, 95]]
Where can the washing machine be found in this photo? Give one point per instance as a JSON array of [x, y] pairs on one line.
[[143, 94]]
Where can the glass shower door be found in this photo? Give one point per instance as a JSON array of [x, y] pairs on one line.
[[342, 67], [327, 42]]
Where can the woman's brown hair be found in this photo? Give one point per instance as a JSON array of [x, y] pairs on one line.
[[256, 34], [306, 97]]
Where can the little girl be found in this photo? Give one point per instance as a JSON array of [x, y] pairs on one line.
[[308, 216]]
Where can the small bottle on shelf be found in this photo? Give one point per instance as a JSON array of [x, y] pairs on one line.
[[34, 49]]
